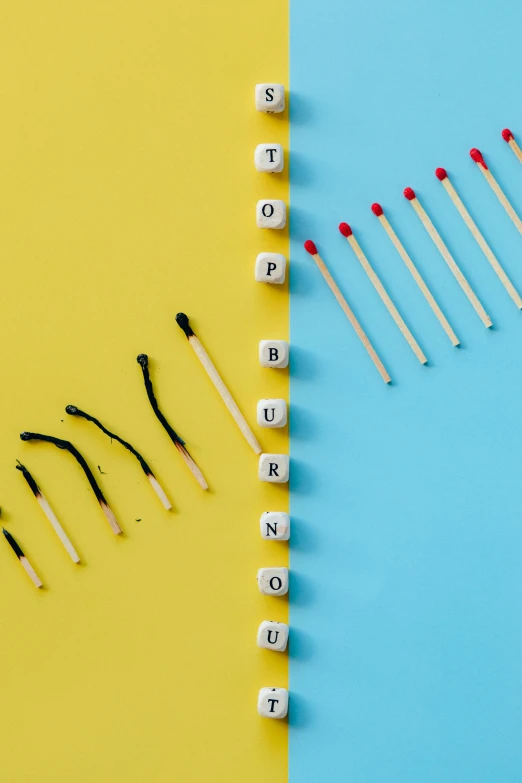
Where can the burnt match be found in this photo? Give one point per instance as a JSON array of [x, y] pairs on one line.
[[72, 410], [477, 156], [183, 323], [143, 361], [49, 513], [359, 331], [436, 238], [67, 446], [510, 139], [22, 558]]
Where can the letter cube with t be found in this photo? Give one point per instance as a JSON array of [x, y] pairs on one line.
[[273, 581], [275, 526], [273, 703], [269, 158], [271, 413], [270, 268], [273, 353], [274, 468], [270, 98], [271, 213], [272, 635]]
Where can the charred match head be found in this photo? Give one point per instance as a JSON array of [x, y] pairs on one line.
[[477, 156], [310, 247], [507, 135], [377, 209], [30, 480], [183, 323], [441, 174], [143, 359], [345, 230], [72, 410], [16, 548]]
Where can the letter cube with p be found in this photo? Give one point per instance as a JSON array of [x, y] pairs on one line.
[[272, 635], [270, 268], [273, 353], [271, 213], [273, 581], [274, 468], [270, 98], [273, 703]]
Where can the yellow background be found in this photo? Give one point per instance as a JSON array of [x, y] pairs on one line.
[[128, 193]]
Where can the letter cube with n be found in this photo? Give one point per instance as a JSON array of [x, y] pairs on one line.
[[273, 581], [274, 468], [270, 98], [271, 213], [273, 353], [272, 636], [270, 268], [269, 157], [271, 413], [275, 526], [273, 703]]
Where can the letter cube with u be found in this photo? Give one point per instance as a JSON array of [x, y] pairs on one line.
[[271, 413], [274, 468], [273, 703], [272, 636]]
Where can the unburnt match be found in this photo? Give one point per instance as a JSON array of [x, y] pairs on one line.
[[379, 212], [72, 410], [347, 233], [442, 175], [143, 361], [334, 288], [22, 558], [183, 323], [436, 238], [477, 156], [508, 136], [49, 513], [67, 446]]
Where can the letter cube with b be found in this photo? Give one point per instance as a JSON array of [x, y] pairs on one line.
[[271, 213], [269, 158], [273, 703], [270, 98], [271, 413], [274, 468], [273, 581], [272, 635], [273, 353], [275, 526], [270, 268]]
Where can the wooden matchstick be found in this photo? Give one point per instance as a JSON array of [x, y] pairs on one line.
[[347, 233], [446, 255], [183, 323], [334, 288], [508, 136], [72, 410], [49, 513], [477, 156], [67, 446], [442, 175], [378, 211], [143, 361], [22, 558]]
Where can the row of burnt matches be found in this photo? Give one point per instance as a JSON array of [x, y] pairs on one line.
[[178, 442], [409, 194]]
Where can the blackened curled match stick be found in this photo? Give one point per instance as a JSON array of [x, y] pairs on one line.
[[72, 410], [183, 323], [49, 513], [22, 558], [143, 361], [478, 158], [67, 446], [510, 139]]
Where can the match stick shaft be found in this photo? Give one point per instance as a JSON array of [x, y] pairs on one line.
[[450, 261], [58, 529], [419, 280], [375, 281], [468, 220], [516, 149], [334, 288], [196, 472], [113, 522], [499, 193], [32, 573], [159, 492], [227, 398]]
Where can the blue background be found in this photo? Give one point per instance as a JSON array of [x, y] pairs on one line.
[[406, 549]]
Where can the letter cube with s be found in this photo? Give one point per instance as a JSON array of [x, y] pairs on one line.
[[275, 526], [271, 413], [274, 468], [272, 636], [273, 703], [271, 213], [269, 158], [273, 353], [270, 268], [273, 581], [270, 98]]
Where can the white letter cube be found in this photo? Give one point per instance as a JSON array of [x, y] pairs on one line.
[[273, 581], [273, 353], [272, 635], [275, 526], [271, 213], [270, 268], [271, 413], [270, 98], [274, 468], [273, 703], [269, 157]]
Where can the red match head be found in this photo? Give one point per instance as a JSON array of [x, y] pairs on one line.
[[507, 135], [377, 209], [310, 247], [441, 174], [409, 193], [345, 229], [476, 155]]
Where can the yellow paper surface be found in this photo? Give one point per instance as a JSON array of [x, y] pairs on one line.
[[128, 193]]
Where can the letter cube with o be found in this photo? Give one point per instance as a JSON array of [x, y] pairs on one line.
[[273, 703], [274, 468], [271, 413], [275, 526], [273, 353], [270, 98], [270, 268], [269, 158], [273, 581], [271, 213], [272, 636]]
